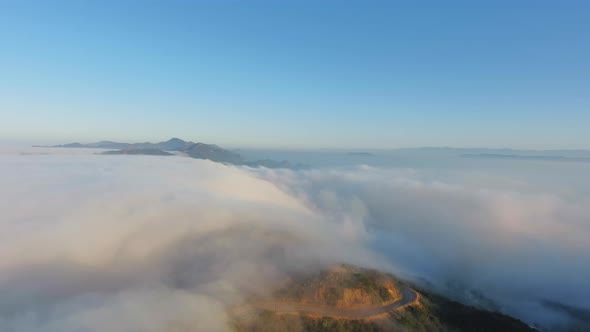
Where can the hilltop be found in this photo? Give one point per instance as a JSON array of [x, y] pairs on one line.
[[349, 298], [343, 286]]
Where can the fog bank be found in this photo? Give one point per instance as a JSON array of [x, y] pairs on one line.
[[142, 243], [498, 239]]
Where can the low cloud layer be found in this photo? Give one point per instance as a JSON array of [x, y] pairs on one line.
[[139, 243], [498, 240], [147, 244]]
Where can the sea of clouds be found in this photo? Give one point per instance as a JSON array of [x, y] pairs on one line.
[[144, 243]]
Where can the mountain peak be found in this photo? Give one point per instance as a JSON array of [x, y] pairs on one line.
[[175, 140]]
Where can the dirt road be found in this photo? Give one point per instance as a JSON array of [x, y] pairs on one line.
[[409, 297]]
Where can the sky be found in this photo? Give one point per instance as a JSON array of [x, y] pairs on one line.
[[299, 74]]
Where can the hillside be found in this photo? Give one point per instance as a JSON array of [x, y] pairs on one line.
[[212, 152], [342, 286], [147, 152], [348, 298]]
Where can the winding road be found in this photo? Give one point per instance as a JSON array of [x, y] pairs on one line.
[[409, 297]]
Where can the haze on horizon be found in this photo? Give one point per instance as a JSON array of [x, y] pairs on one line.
[[302, 74]]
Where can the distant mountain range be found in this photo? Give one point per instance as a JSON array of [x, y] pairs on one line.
[[173, 144], [194, 150], [146, 152], [526, 157]]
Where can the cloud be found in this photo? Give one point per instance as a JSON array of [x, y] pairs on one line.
[[146, 243], [518, 243], [140, 243]]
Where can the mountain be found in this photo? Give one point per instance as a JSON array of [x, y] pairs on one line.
[[194, 150], [147, 152], [107, 145], [349, 298], [173, 144], [213, 153]]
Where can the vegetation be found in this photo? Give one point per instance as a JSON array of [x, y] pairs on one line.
[[434, 312], [370, 281], [459, 317], [343, 285], [270, 322]]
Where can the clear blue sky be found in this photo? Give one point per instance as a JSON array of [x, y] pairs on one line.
[[297, 74]]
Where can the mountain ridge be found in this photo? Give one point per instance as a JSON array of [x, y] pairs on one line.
[[191, 149]]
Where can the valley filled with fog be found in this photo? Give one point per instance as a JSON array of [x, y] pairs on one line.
[[148, 243]]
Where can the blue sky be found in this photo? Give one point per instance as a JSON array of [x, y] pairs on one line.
[[297, 74]]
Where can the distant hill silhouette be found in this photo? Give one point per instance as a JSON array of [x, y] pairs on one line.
[[173, 144], [194, 150], [526, 157], [213, 152], [147, 152]]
